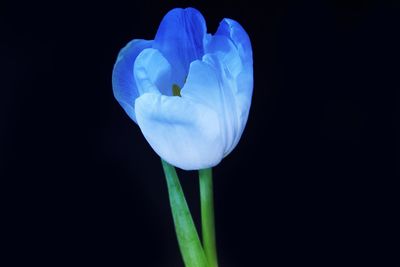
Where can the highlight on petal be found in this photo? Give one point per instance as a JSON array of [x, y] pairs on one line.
[[180, 39], [123, 82], [184, 133], [152, 72]]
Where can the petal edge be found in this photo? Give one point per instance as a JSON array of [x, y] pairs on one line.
[[123, 82]]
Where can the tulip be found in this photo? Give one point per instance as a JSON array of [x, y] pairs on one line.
[[190, 93]]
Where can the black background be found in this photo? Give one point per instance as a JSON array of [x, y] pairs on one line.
[[81, 186]]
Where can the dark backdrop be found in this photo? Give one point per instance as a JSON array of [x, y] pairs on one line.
[[81, 186]]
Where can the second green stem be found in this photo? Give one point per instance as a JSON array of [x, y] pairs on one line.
[[207, 216]]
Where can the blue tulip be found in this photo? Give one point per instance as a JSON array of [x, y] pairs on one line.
[[189, 91]]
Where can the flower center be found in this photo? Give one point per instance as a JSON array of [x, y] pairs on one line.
[[176, 90]]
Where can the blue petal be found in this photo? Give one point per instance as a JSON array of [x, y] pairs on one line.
[[223, 48], [238, 36], [207, 85], [184, 133], [123, 82], [152, 73], [226, 60], [229, 84], [233, 30], [180, 39]]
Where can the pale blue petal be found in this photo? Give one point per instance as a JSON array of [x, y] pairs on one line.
[[205, 85], [180, 39], [184, 133], [152, 72], [232, 29], [226, 52], [230, 52], [244, 80], [123, 82]]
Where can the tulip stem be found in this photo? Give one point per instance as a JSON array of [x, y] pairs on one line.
[[188, 239], [207, 216]]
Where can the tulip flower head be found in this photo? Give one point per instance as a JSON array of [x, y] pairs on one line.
[[189, 91]]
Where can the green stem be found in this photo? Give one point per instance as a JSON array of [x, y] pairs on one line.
[[188, 239], [207, 216]]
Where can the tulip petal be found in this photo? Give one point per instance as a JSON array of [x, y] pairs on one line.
[[152, 72], [232, 29], [235, 75], [123, 82], [184, 133], [180, 39], [205, 85]]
